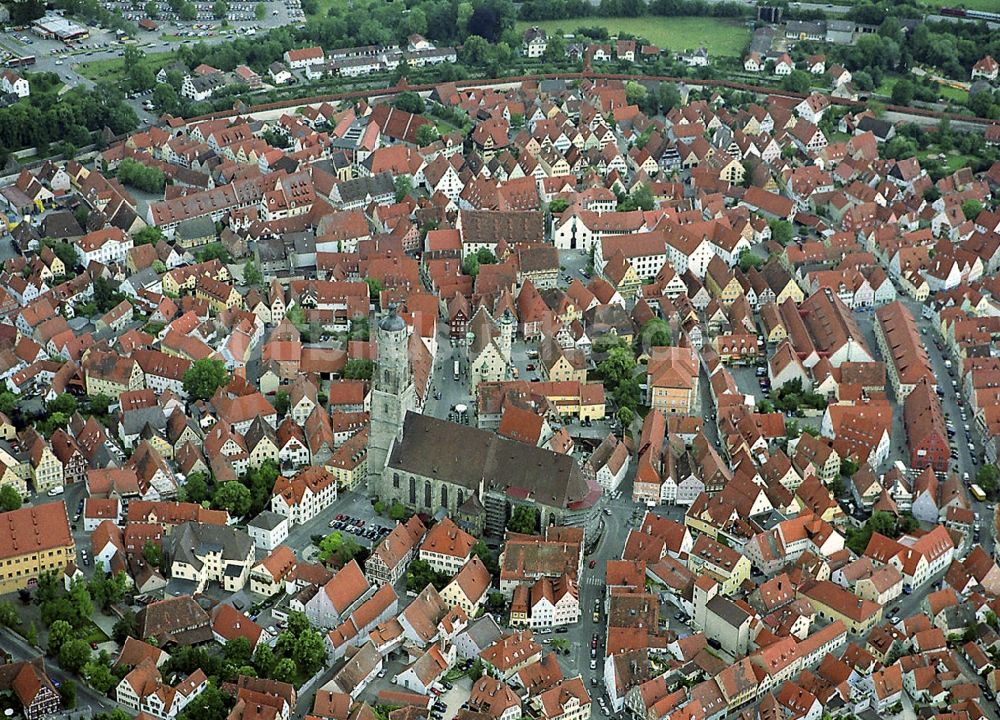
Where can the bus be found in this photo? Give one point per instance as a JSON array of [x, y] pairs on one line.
[[20, 61], [456, 370], [977, 492]]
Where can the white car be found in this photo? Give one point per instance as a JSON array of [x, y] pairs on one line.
[[593, 664], [57, 490]]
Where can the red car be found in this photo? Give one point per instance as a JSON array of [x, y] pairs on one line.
[[340, 517], [593, 564], [529, 367]]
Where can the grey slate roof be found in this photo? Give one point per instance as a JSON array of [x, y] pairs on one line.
[[463, 455], [191, 540]]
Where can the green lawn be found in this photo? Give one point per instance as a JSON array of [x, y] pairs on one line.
[[323, 6], [112, 68], [955, 94], [953, 161], [986, 5], [720, 37]]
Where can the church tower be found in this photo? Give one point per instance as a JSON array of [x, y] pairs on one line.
[[393, 394], [506, 324]]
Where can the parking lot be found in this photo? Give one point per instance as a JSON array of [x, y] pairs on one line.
[[289, 10], [63, 59]]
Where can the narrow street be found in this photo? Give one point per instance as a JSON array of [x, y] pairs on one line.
[[85, 695]]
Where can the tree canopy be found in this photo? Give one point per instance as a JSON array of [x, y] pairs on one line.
[[204, 377]]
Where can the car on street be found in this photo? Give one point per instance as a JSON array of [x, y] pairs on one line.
[[593, 563]]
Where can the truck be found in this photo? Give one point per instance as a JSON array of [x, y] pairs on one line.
[[455, 364]]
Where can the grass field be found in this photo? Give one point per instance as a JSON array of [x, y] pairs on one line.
[[323, 6], [952, 161], [112, 68], [985, 5], [720, 37], [950, 93]]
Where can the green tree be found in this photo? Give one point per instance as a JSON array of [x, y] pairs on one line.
[[749, 260], [420, 574], [106, 294], [902, 92], [196, 489], [234, 497], [489, 558], [798, 81], [470, 265], [125, 627], [627, 416], [260, 480], [848, 467], [213, 251], [399, 512], [212, 704], [80, 599], [476, 670], [59, 633], [107, 590], [67, 693], [143, 177], [148, 236], [523, 520], [375, 288], [188, 12], [618, 366], [298, 623], [284, 671], [656, 333], [264, 660], [251, 275], [988, 478], [634, 92], [558, 205], [99, 676], [152, 553], [359, 369], [10, 498], [237, 651], [152, 9], [971, 208], [404, 186], [64, 403], [410, 102], [204, 377], [427, 134], [8, 614], [309, 652], [259, 11], [338, 548], [282, 402], [74, 654], [781, 231], [8, 402]]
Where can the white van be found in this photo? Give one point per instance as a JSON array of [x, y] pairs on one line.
[[57, 490]]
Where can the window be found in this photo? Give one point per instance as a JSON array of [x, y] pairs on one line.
[[395, 480], [427, 493]]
